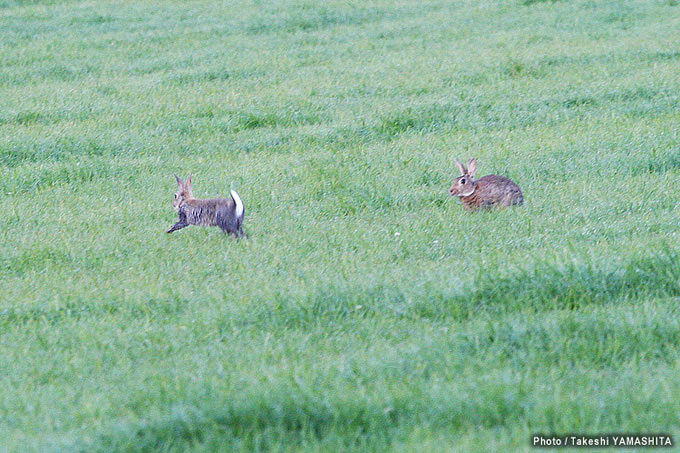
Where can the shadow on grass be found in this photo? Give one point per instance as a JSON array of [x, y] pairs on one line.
[[289, 415], [283, 415], [570, 286], [545, 286]]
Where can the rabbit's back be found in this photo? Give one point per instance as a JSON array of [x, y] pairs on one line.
[[207, 212], [493, 190]]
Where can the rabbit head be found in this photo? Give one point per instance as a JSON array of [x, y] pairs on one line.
[[465, 184], [183, 192]]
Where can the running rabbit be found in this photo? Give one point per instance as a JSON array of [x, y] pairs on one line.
[[485, 192], [226, 213]]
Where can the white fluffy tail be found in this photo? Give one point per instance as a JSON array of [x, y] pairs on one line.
[[239, 204]]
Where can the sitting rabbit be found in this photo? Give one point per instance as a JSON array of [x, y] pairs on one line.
[[226, 213], [485, 192]]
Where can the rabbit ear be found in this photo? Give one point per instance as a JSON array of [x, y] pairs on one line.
[[461, 167], [179, 181], [187, 183], [472, 167]]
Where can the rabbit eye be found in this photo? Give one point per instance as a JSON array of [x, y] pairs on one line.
[[462, 181], [175, 196]]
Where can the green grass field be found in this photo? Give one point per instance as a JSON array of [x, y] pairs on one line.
[[338, 123]]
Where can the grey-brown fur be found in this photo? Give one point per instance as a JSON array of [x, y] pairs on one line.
[[221, 212], [486, 192]]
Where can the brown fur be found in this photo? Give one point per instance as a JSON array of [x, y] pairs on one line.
[[219, 212], [486, 192]]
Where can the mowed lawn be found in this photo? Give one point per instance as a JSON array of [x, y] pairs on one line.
[[367, 311]]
